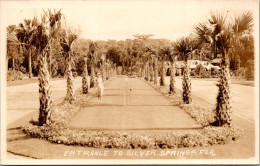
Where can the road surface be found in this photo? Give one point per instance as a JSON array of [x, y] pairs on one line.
[[131, 104], [243, 96], [22, 100]]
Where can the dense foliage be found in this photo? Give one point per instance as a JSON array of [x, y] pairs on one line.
[[130, 53]]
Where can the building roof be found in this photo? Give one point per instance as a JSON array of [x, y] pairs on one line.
[[217, 60], [179, 64]]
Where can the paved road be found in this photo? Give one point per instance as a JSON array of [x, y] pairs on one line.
[[130, 103], [141, 116], [22, 100], [243, 97]]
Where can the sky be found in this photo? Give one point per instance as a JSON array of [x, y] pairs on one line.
[[118, 20]]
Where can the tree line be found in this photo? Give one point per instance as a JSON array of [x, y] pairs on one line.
[[126, 53]]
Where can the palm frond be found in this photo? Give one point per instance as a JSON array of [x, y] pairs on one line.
[[203, 32], [183, 46], [243, 23], [217, 22], [12, 39]]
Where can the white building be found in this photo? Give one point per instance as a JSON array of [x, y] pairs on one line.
[[193, 64]]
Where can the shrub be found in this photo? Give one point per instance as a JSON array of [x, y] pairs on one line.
[[119, 70], [14, 75], [202, 72], [240, 73], [249, 74], [75, 74], [214, 72], [23, 69], [199, 68], [193, 73]]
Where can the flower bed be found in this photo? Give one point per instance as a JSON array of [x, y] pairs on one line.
[[111, 139], [58, 133]]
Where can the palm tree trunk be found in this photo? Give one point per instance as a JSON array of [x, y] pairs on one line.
[[13, 64], [107, 71], [152, 71], [186, 84], [155, 71], [140, 71], [123, 67], [162, 81], [143, 70], [6, 63], [172, 79], [223, 107], [103, 71], [147, 71], [92, 76], [200, 68], [50, 55], [215, 48], [85, 79], [50, 62], [70, 88], [30, 63], [44, 91]]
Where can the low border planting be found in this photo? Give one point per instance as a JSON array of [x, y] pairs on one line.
[[111, 139], [58, 133]]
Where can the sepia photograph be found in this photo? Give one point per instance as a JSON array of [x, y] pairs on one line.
[[129, 82]]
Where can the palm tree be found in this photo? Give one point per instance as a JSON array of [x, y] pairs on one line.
[[41, 40], [152, 60], [165, 53], [241, 30], [151, 70], [183, 47], [92, 55], [101, 52], [108, 69], [25, 36], [155, 70], [224, 38], [13, 45], [173, 59], [67, 40], [103, 68], [140, 49], [147, 69], [85, 77]]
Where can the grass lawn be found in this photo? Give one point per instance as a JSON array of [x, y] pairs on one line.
[[233, 81], [26, 81]]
